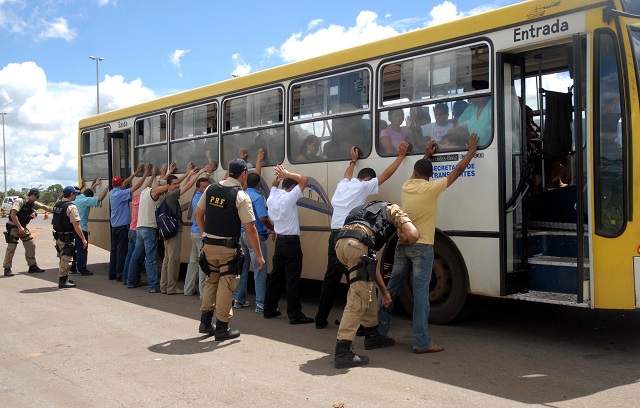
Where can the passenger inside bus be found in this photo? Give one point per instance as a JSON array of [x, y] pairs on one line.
[[391, 137], [476, 118], [438, 129], [309, 149]]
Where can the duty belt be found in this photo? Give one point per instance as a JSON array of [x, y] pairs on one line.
[[229, 243], [366, 239]]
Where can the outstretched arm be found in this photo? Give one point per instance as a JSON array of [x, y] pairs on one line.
[[259, 160], [141, 180], [191, 180], [348, 173], [128, 180], [388, 172], [472, 146]]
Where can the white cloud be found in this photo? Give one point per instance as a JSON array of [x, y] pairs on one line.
[[42, 126], [174, 59], [314, 23], [107, 2], [241, 68], [58, 28], [334, 37], [443, 13]]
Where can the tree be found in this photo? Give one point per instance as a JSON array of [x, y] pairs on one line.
[[51, 194]]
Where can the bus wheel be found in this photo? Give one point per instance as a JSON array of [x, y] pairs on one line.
[[448, 286]]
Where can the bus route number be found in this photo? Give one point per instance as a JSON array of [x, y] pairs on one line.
[[123, 124]]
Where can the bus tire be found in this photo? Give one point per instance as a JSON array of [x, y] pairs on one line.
[[449, 286]]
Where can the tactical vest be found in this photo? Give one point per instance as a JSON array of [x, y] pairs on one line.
[[374, 216], [61, 221], [24, 215], [221, 216]]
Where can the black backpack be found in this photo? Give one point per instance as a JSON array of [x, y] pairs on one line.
[[168, 224]]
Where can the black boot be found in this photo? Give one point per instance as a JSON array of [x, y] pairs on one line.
[[374, 340], [35, 269], [346, 358], [205, 323], [65, 282], [7, 272], [223, 332]]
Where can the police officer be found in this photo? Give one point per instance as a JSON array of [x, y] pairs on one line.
[[219, 213], [24, 209], [66, 224], [367, 228]]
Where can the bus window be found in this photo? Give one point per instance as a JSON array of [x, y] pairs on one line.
[[194, 136], [329, 115], [253, 122], [635, 42], [94, 154], [609, 187], [151, 141]]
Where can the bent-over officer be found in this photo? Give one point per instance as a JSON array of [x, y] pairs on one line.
[[66, 224], [367, 228], [223, 207], [24, 209]]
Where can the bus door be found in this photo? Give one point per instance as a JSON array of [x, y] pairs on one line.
[[513, 184], [118, 153]]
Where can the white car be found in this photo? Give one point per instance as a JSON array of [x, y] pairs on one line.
[[7, 205]]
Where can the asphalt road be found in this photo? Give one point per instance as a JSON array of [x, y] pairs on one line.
[[102, 345]]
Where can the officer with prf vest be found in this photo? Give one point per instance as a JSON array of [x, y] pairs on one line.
[[66, 224], [224, 206], [366, 229], [21, 214]]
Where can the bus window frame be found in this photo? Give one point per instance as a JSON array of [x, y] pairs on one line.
[[329, 116], [382, 107], [105, 152], [224, 133], [597, 175], [175, 142], [134, 136]]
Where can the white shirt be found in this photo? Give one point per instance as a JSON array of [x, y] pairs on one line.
[[350, 194], [283, 210], [147, 209], [435, 130]]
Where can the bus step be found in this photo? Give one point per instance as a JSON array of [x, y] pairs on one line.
[[550, 297], [554, 274], [554, 243]]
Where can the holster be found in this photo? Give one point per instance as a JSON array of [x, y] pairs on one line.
[[8, 238], [68, 238], [234, 267], [204, 264], [366, 269]]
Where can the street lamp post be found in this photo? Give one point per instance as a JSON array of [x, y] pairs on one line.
[[97, 59], [4, 154]]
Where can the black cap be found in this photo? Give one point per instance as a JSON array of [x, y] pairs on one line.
[[35, 192]]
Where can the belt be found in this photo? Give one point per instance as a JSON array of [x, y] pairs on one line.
[[335, 230], [230, 243], [289, 237]]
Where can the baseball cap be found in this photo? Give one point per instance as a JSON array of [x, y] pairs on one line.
[[68, 190], [116, 180], [237, 166], [35, 192]]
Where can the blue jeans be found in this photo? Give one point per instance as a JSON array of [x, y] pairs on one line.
[[416, 258], [81, 253], [259, 277], [131, 246], [145, 244]]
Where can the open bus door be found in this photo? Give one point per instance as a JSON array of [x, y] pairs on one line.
[[118, 154], [512, 145]]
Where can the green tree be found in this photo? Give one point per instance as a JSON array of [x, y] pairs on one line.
[[51, 194]]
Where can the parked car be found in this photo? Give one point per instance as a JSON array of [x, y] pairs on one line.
[[7, 204]]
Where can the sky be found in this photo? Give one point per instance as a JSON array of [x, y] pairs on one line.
[[156, 48]]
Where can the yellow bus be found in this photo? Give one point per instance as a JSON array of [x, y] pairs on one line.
[[507, 228]]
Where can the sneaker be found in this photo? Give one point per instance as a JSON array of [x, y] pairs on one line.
[[7, 272], [259, 310], [178, 291], [239, 305], [73, 272], [86, 273]]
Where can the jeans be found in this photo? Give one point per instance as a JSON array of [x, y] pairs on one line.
[[81, 253], [416, 258], [131, 246], [118, 251], [195, 276], [259, 277], [145, 244]]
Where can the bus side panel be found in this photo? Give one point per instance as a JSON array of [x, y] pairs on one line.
[[482, 266], [613, 277]]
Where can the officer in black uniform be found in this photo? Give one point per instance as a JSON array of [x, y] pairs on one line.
[[219, 213], [367, 228], [66, 224], [24, 209]]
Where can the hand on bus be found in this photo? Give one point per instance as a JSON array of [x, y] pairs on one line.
[[139, 168], [403, 147], [242, 153], [354, 153], [147, 166], [472, 146], [172, 167], [431, 148], [154, 171], [260, 155], [163, 170]]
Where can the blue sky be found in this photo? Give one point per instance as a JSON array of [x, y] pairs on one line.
[[156, 48]]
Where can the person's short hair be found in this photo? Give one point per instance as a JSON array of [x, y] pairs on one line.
[[366, 172], [424, 168], [253, 180], [442, 107], [479, 84], [459, 107], [202, 180], [288, 182], [170, 179], [88, 192]]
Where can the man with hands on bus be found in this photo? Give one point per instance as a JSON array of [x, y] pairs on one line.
[[119, 197], [350, 193], [223, 207], [367, 228], [419, 200]]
